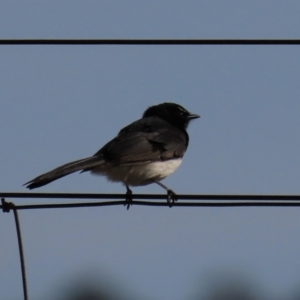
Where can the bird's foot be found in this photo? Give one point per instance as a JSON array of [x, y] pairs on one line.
[[172, 197], [128, 199]]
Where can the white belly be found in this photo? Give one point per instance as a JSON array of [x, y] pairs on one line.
[[139, 174]]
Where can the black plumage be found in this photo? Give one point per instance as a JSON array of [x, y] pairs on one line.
[[143, 152]]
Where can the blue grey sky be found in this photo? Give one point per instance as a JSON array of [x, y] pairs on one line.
[[62, 103]]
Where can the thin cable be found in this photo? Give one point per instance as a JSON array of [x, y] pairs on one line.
[[203, 200], [210, 197], [147, 203], [265, 201], [150, 42], [210, 200], [6, 206], [21, 251]]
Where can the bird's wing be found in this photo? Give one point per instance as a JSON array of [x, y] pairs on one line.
[[146, 140]]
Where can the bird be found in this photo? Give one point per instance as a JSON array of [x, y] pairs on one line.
[[144, 152]]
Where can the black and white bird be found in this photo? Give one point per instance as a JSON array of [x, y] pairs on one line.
[[146, 151]]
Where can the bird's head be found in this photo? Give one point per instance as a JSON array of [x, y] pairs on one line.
[[173, 113]]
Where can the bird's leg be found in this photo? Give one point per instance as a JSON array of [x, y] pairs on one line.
[[128, 199], [172, 197]]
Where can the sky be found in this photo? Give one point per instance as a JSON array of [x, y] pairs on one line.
[[62, 103]]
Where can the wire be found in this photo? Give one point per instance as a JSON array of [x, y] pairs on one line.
[[6, 206], [211, 201], [149, 41], [208, 200], [150, 196], [222, 201]]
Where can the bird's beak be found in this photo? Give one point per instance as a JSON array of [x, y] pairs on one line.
[[193, 116]]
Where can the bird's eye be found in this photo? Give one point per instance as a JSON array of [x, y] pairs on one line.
[[182, 112]]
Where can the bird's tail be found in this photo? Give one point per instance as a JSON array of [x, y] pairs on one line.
[[77, 165]]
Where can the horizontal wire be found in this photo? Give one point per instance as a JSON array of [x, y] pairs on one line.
[[147, 203], [149, 41], [150, 196], [211, 200]]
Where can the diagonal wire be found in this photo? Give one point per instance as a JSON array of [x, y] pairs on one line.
[[149, 41], [6, 206]]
